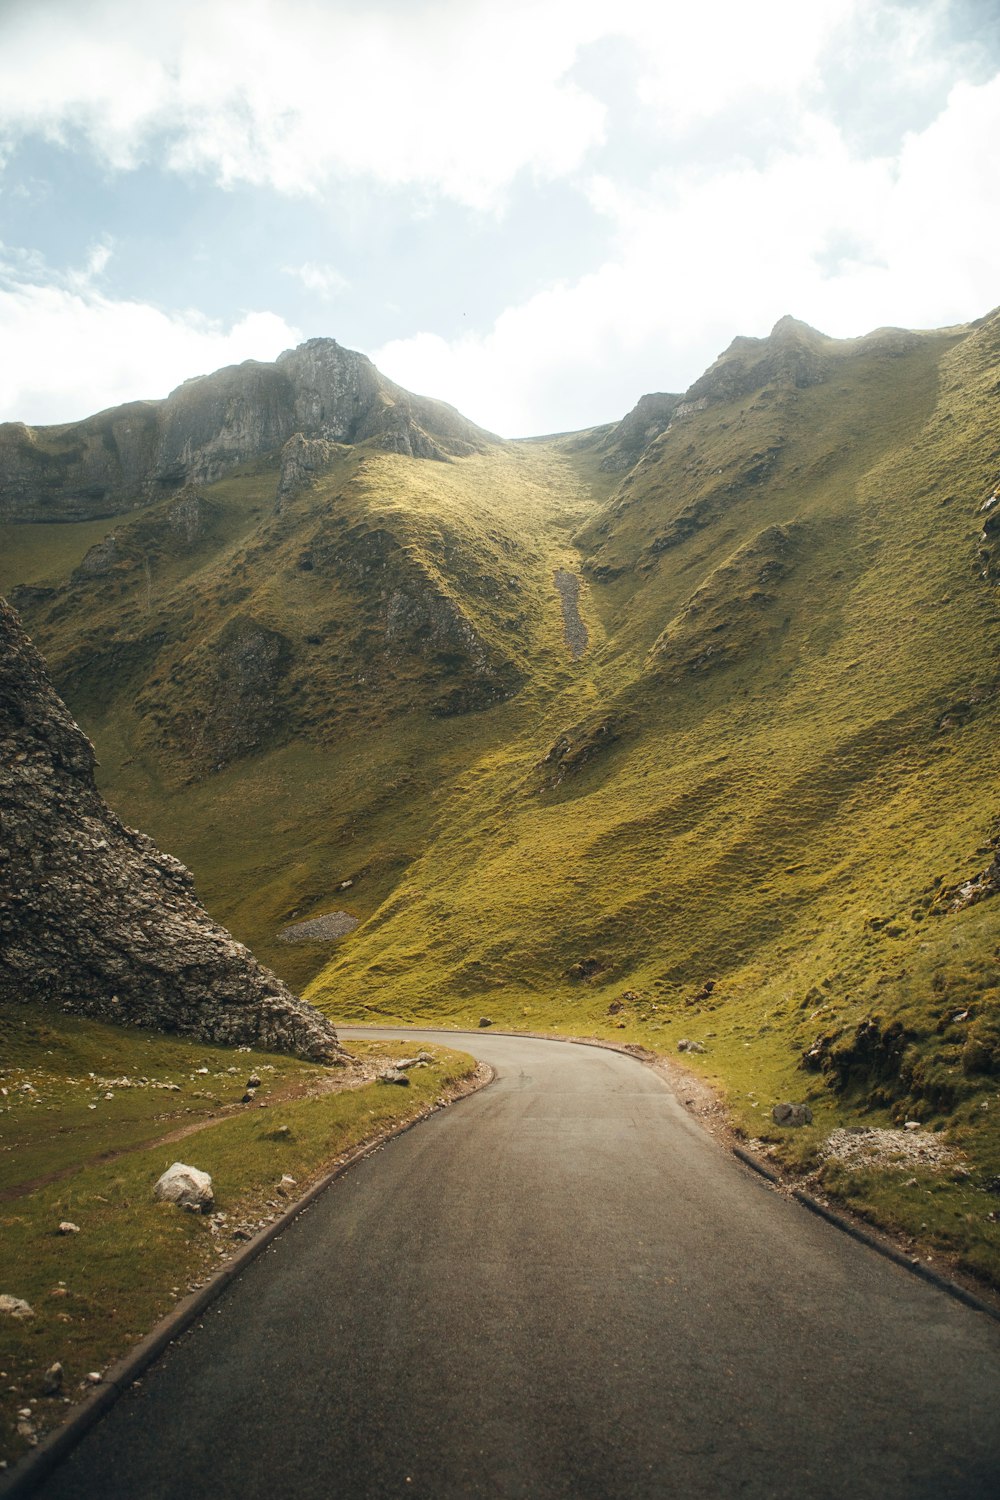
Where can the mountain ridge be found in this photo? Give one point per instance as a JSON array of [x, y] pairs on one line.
[[210, 425]]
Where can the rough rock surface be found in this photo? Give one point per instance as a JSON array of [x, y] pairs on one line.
[[92, 914], [328, 928], [303, 460], [627, 441], [186, 1186], [211, 425]]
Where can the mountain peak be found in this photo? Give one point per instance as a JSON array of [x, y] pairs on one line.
[[214, 424]]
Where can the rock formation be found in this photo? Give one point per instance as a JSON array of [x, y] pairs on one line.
[[92, 915], [209, 426]]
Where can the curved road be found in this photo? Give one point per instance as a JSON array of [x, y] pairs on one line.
[[560, 1287]]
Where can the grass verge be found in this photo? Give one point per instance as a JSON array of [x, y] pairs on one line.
[[95, 1293]]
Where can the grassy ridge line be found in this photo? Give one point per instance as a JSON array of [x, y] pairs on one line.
[[95, 1293]]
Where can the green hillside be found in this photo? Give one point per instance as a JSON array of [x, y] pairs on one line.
[[758, 811]]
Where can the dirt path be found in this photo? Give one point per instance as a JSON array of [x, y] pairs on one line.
[[362, 1071]]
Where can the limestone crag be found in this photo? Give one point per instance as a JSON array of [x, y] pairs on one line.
[[625, 444], [302, 461], [93, 915], [210, 426]]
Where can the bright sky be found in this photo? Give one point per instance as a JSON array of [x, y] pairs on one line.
[[535, 209]]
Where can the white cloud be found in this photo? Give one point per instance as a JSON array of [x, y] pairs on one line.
[[71, 351], [730, 252], [456, 96], [326, 281]]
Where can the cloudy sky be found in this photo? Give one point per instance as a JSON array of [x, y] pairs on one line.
[[535, 209]]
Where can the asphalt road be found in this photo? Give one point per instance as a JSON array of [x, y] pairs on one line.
[[560, 1287]]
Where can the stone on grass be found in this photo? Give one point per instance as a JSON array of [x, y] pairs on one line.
[[187, 1187], [52, 1380], [67, 1227], [792, 1114], [686, 1045], [393, 1075], [15, 1307], [485, 1021]]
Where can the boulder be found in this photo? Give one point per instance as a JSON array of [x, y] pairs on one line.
[[15, 1307], [792, 1114], [187, 1187], [393, 1075]]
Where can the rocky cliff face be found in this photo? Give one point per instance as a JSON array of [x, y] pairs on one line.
[[209, 426], [92, 915]]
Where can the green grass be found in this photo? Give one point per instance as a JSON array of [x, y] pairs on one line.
[[778, 748], [95, 1293]]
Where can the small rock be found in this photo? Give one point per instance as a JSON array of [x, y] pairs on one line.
[[393, 1075], [15, 1307], [241, 1234], [686, 1045], [248, 1097], [93, 1377], [253, 1082], [910, 1124], [284, 1185], [485, 1021], [67, 1227], [187, 1187], [52, 1380], [792, 1114]]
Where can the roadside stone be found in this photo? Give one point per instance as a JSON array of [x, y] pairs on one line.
[[52, 1380], [792, 1114], [253, 1082], [67, 1227], [15, 1307], [187, 1187], [685, 1044], [393, 1075], [485, 1021], [911, 1124]]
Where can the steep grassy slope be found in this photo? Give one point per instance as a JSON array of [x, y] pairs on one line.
[[752, 818], [282, 692], [758, 811]]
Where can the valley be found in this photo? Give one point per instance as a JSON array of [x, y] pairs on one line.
[[756, 810]]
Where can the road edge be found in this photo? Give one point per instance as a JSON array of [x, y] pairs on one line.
[[838, 1220], [37, 1464]]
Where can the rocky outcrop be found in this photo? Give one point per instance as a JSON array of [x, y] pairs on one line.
[[210, 426], [302, 461], [625, 444], [792, 354], [92, 915]]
